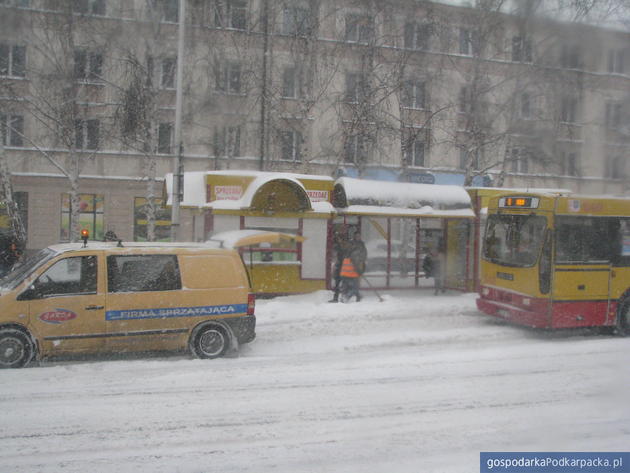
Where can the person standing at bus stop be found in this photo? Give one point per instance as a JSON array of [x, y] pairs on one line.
[[340, 247], [353, 267]]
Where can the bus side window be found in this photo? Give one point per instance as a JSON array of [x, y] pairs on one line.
[[623, 243]]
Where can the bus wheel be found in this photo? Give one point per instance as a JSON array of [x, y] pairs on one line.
[[623, 318], [211, 341], [16, 349]]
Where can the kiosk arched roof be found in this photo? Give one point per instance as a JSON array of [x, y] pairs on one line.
[[366, 197]]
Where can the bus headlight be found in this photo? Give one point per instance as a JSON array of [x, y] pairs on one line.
[[527, 301], [485, 291]]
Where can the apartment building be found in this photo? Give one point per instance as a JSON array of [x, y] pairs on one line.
[[395, 89]]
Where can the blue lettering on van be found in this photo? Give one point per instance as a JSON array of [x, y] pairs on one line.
[[168, 312]]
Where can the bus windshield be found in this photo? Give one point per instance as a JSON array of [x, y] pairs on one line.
[[514, 240]]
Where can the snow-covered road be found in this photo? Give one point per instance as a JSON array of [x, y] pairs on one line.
[[416, 383]]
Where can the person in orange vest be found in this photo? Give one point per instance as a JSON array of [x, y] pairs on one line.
[[353, 267]]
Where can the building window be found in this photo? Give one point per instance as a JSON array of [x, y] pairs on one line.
[[168, 10], [413, 152], [464, 104], [525, 105], [291, 145], [12, 128], [90, 215], [417, 36], [615, 166], [568, 110], [570, 56], [570, 164], [468, 159], [16, 3], [612, 118], [414, 94], [359, 28], [228, 78], [89, 7], [165, 138], [356, 87], [519, 160], [227, 141], [162, 229], [521, 49], [291, 83], [230, 14], [615, 61], [167, 74], [356, 149], [296, 21], [87, 134], [12, 60], [88, 66], [468, 42]]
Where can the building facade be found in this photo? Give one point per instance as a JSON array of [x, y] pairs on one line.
[[395, 90]]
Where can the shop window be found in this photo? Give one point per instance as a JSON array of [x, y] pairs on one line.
[[135, 273], [162, 229], [90, 216], [21, 199]]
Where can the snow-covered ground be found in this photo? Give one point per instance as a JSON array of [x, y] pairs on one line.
[[416, 383]]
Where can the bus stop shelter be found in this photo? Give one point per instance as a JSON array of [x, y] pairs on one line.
[[399, 223]]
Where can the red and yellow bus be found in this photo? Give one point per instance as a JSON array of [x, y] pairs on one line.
[[557, 261]]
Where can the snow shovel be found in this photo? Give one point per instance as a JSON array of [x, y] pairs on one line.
[[380, 299]]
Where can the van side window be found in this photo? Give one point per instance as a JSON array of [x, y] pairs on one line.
[[133, 273], [75, 275]]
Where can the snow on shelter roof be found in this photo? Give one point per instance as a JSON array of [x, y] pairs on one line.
[[195, 190], [358, 196]]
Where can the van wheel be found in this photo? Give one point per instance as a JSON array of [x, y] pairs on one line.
[[16, 349], [623, 318], [210, 342]]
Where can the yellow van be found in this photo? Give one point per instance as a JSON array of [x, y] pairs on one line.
[[109, 297]]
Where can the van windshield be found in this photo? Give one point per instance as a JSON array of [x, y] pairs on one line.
[[26, 268]]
